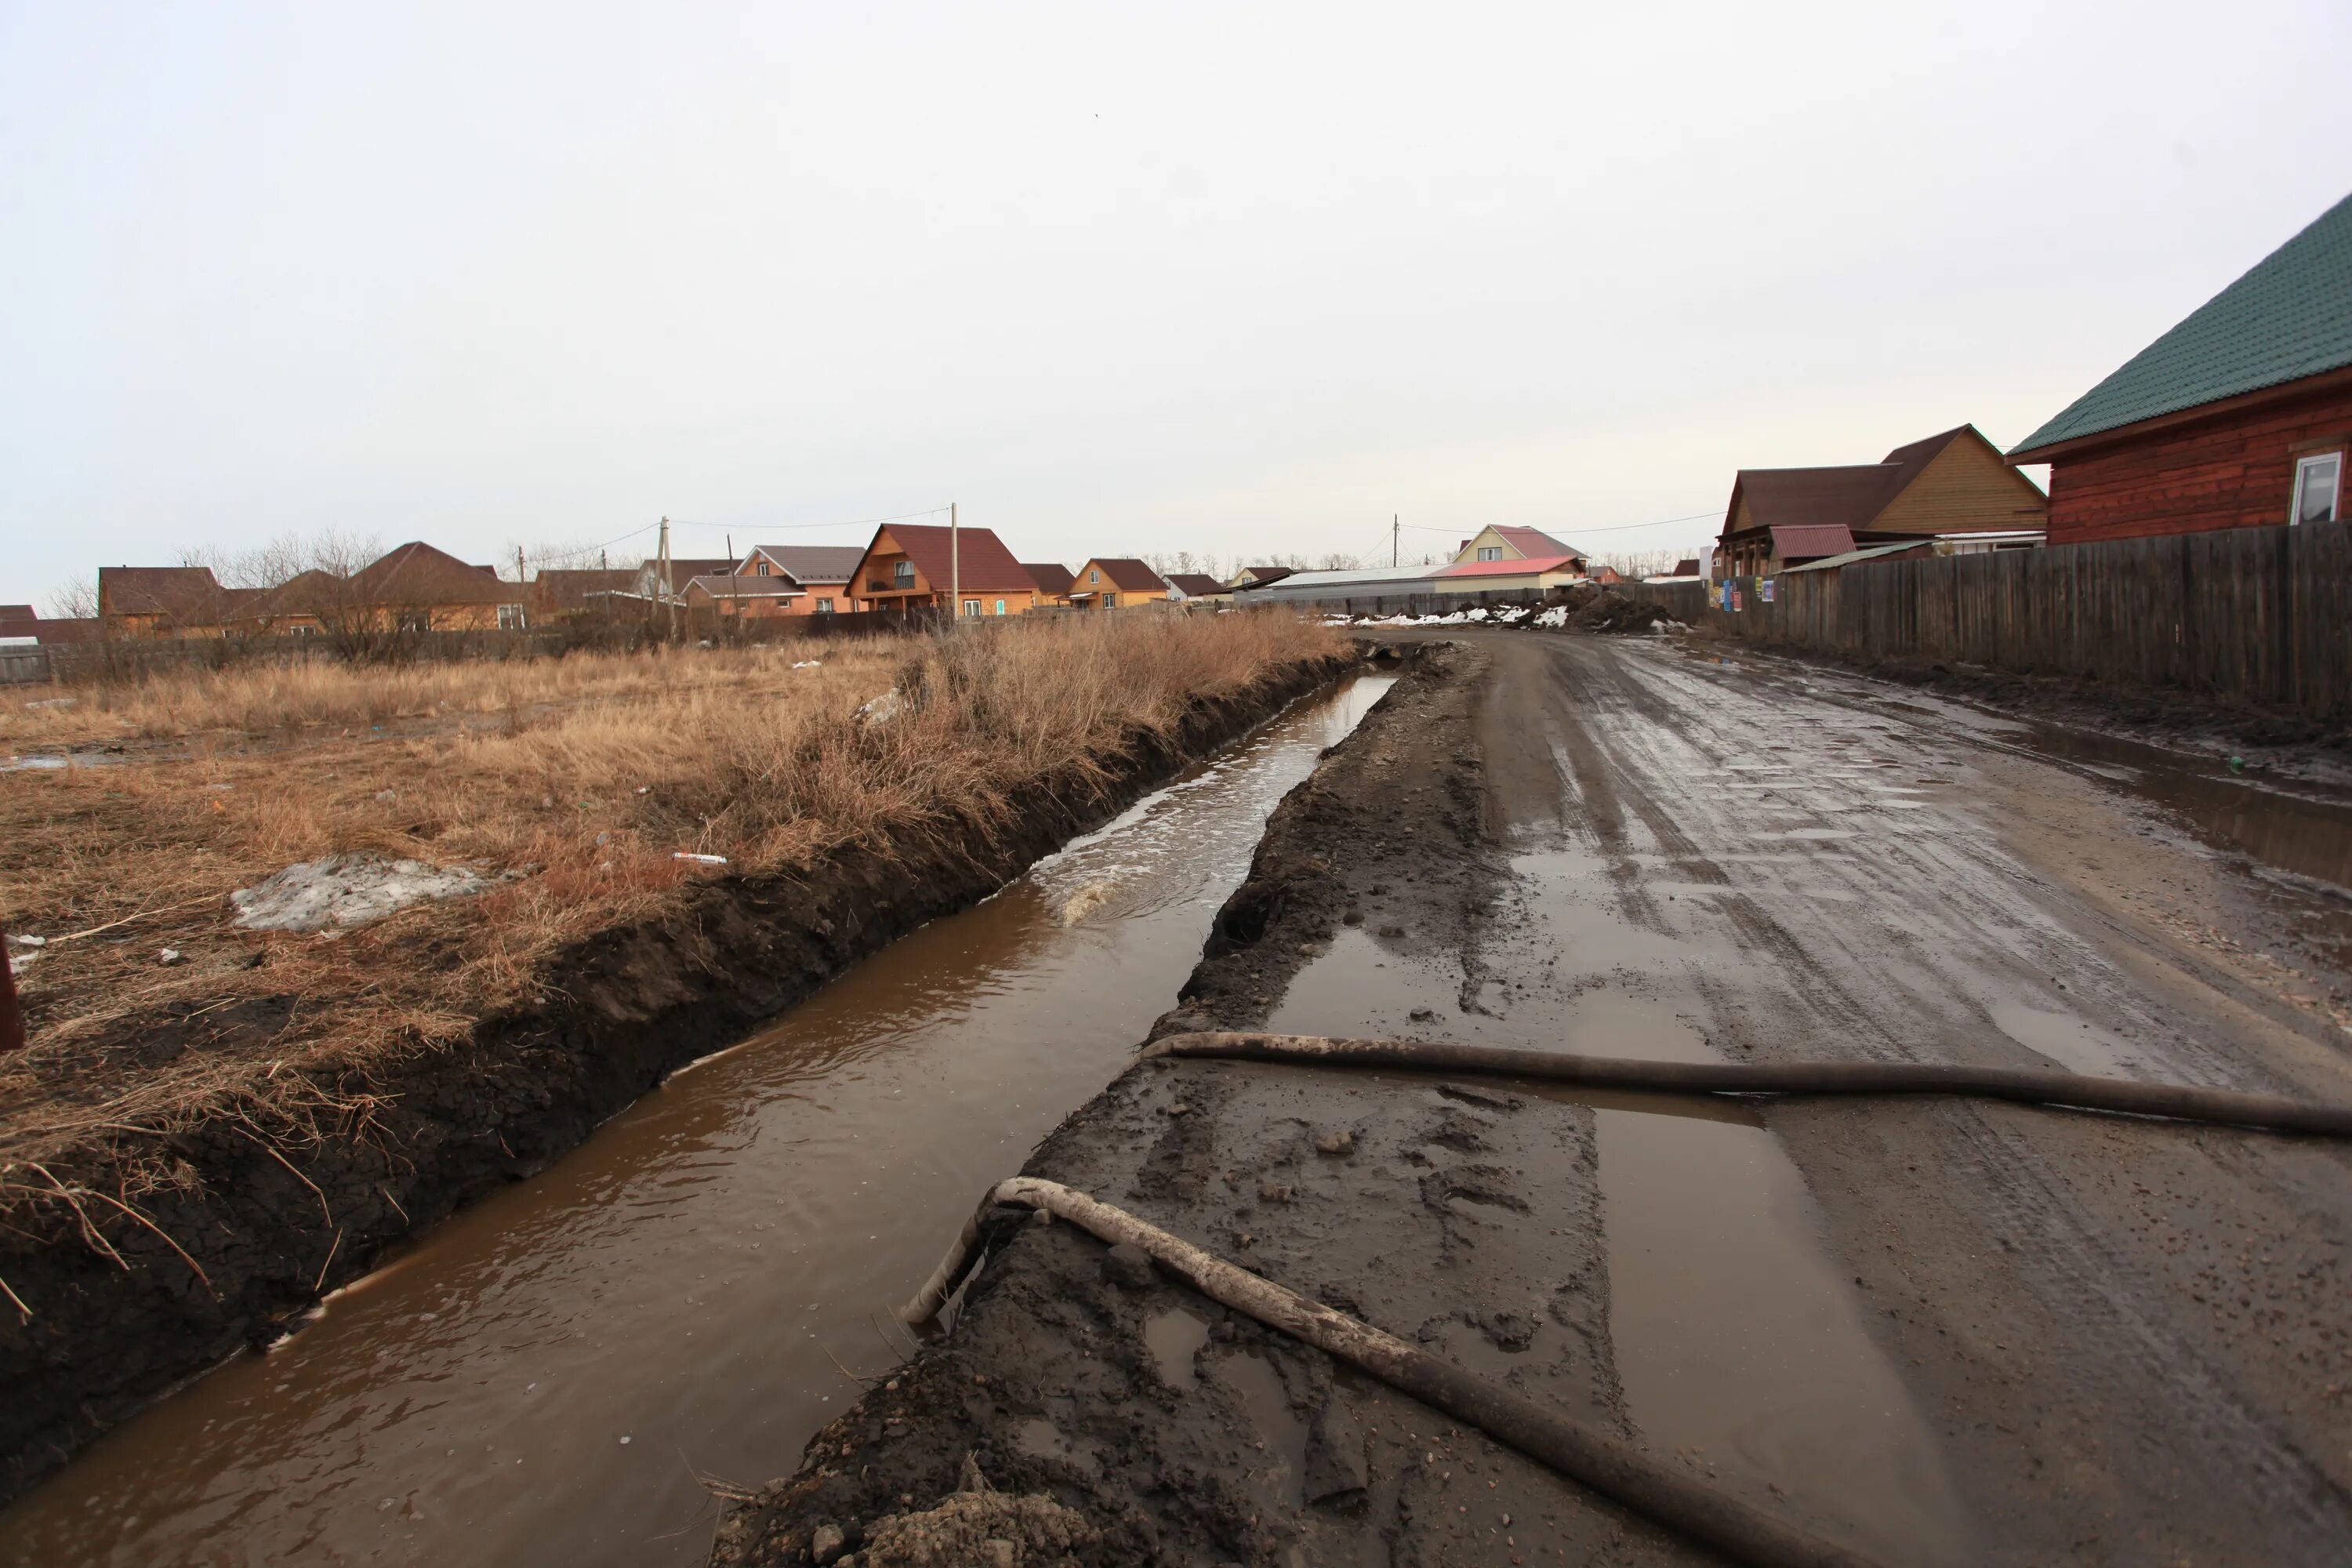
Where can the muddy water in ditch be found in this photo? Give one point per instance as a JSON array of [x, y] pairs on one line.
[[548, 1378]]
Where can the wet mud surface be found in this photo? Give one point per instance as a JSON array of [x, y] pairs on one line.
[[446, 1130], [1940, 1331]]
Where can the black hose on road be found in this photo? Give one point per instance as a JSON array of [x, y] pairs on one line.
[[1614, 1468], [2180, 1102]]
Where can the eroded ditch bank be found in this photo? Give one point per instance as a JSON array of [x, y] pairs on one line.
[[1467, 1215], [251, 1238]]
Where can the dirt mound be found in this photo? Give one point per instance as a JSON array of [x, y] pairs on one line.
[[1592, 608]]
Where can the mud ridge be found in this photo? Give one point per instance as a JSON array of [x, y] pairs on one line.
[[273, 1228], [1180, 1432]]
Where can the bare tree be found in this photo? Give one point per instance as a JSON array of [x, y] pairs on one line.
[[1340, 560], [77, 601]]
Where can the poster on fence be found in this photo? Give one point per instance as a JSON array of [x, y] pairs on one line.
[[1764, 590]]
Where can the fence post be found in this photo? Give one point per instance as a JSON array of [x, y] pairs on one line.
[[12, 1018]]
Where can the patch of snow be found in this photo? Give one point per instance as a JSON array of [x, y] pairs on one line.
[[1555, 617], [883, 709], [348, 889]]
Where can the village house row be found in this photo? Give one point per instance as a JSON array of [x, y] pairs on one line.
[[2240, 416]]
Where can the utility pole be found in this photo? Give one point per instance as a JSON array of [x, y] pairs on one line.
[[521, 579], [955, 565], [661, 586], [1395, 532]]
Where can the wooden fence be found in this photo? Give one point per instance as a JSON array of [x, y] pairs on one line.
[[2264, 614]]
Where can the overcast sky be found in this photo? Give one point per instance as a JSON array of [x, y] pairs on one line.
[[1117, 278]]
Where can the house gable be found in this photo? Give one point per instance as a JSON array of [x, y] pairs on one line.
[[1967, 487]]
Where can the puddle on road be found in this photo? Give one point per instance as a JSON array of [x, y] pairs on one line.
[[543, 1380], [1174, 1337], [1739, 1341]]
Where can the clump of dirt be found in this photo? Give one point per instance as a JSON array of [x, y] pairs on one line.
[[975, 1524]]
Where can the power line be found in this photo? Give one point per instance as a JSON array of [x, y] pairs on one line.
[[543, 559], [1613, 528], [776, 526]]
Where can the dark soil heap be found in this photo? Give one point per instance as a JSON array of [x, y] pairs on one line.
[[1593, 608]]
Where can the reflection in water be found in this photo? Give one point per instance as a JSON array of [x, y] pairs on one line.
[[549, 1375]]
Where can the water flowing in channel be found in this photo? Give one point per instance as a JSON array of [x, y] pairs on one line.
[[551, 1377]]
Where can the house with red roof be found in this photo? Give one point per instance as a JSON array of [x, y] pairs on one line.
[[910, 566], [1053, 579], [1107, 582], [1955, 487], [1500, 543]]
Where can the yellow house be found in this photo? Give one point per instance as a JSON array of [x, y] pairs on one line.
[[1107, 582], [1952, 484]]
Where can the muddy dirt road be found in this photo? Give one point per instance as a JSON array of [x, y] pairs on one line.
[[1940, 1331]]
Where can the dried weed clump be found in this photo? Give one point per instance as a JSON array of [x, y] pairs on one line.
[[585, 774]]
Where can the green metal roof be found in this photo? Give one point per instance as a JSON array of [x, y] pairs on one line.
[[2289, 317]]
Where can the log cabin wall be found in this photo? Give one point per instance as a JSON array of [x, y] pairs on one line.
[[2232, 471]]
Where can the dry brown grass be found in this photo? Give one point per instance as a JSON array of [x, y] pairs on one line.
[[588, 772]]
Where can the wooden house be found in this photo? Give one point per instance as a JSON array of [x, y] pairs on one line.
[[2238, 417], [1498, 543], [820, 573], [1053, 580], [909, 566], [419, 588], [1950, 484], [1107, 582], [162, 601]]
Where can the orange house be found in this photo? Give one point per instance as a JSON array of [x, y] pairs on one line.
[[818, 576], [909, 566], [1107, 582]]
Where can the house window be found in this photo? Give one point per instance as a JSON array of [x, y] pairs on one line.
[[902, 574], [1094, 577], [1490, 553], [1110, 600], [764, 568], [1000, 606], [510, 617], [2317, 482], [972, 608], [824, 606]]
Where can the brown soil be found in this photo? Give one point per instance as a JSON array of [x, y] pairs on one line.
[[243, 1226], [1183, 1433], [2265, 739], [2015, 1335]]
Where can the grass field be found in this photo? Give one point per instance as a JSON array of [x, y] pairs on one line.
[[576, 780]]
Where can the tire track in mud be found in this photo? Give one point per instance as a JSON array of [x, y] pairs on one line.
[[2087, 1414]]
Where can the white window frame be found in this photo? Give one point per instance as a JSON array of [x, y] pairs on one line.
[[902, 574], [824, 606], [2303, 466], [1490, 553], [972, 608], [1094, 577]]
